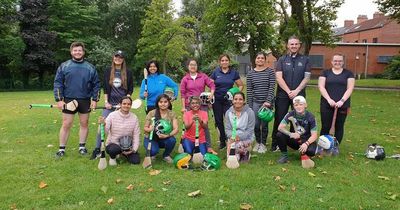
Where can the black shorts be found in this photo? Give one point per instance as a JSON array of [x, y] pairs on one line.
[[83, 106]]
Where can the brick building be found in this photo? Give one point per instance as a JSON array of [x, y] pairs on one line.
[[367, 45]]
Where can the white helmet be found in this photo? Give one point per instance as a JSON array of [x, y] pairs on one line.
[[326, 141]]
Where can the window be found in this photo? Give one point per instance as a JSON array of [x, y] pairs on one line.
[[375, 40], [384, 58], [364, 40], [317, 61]]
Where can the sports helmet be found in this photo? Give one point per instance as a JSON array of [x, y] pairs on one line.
[[375, 151], [211, 162], [125, 142], [265, 114], [169, 92], [163, 127], [204, 98], [231, 92], [326, 141], [181, 161]]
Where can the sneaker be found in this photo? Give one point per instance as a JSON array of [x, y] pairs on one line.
[[83, 151], [60, 154], [112, 162], [222, 146], [283, 159], [275, 148], [262, 148], [256, 146], [168, 159], [95, 154]]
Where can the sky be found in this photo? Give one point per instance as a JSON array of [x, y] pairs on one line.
[[348, 11]]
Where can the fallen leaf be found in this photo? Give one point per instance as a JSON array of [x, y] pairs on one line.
[[384, 178], [168, 182], [270, 162], [311, 174], [293, 188], [284, 169], [324, 172], [104, 189], [81, 203], [50, 145], [160, 206], [392, 197], [245, 206], [282, 187], [13, 206], [42, 185], [320, 200], [194, 193], [154, 172], [118, 181], [130, 187], [164, 189], [221, 201], [150, 190], [110, 201], [277, 178], [319, 186], [366, 192]]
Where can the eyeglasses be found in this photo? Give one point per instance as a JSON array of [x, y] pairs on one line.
[[338, 61]]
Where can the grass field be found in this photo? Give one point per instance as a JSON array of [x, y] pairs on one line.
[[74, 182], [372, 83]]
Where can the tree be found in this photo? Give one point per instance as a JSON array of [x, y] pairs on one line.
[[37, 56], [162, 37], [238, 25], [391, 7]]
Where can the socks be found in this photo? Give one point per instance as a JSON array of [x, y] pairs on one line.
[[62, 148]]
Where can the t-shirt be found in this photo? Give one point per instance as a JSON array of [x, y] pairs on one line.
[[336, 86], [260, 86], [190, 133], [307, 121], [117, 91], [223, 81]]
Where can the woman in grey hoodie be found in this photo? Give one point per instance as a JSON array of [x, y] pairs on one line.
[[243, 116]]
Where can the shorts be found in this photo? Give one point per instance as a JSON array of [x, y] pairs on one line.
[[83, 106]]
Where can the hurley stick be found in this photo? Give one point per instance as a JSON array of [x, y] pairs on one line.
[[145, 88], [232, 161], [197, 156], [103, 162], [70, 106], [180, 148], [306, 162], [332, 130], [147, 160], [136, 104]]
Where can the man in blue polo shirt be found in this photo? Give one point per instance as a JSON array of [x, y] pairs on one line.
[[293, 71], [224, 78]]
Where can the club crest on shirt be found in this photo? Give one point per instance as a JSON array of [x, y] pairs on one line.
[[288, 63], [300, 64]]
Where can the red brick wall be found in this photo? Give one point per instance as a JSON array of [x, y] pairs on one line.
[[390, 33], [350, 52]]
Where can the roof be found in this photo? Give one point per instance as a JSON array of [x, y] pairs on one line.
[[378, 22]]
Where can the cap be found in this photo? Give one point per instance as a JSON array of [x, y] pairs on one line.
[[299, 99], [119, 53]]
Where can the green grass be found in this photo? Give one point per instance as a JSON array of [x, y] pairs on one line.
[[371, 83], [74, 182]]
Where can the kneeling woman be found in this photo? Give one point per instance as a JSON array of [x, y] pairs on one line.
[[189, 119], [240, 119], [160, 139], [119, 125]]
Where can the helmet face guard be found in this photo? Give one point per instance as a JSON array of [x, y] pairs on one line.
[[265, 114], [204, 98], [163, 127], [375, 151], [125, 142], [211, 162], [182, 161]]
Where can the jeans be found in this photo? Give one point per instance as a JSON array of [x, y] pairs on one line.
[[114, 149], [188, 147], [168, 144]]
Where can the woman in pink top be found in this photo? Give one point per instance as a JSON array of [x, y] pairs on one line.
[[193, 84], [119, 124], [189, 119]]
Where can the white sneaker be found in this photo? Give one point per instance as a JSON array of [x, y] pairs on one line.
[[262, 148], [168, 159], [256, 146], [112, 162]]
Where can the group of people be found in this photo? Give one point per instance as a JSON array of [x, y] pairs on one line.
[[235, 117]]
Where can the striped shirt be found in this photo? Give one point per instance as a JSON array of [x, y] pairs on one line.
[[119, 125], [260, 86]]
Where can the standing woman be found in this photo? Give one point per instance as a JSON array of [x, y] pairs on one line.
[[336, 86], [156, 84], [245, 121], [260, 93], [161, 140], [118, 82], [193, 84], [224, 78]]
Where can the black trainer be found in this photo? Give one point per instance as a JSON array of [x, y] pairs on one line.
[[83, 151], [95, 154], [60, 154]]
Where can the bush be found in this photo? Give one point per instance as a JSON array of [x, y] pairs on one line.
[[392, 71]]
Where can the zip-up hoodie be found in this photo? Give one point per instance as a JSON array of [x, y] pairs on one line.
[[156, 84], [194, 87], [244, 123]]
